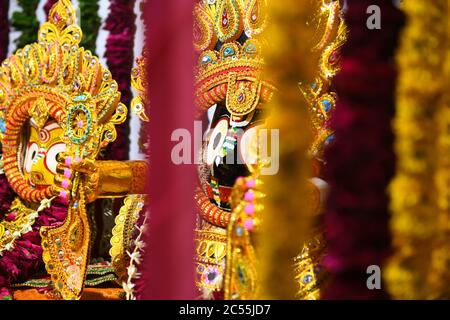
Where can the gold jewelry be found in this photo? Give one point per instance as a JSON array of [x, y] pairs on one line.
[[332, 33], [122, 234], [18, 221], [231, 74]]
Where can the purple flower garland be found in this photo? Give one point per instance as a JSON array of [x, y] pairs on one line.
[[120, 58], [49, 5], [26, 257], [361, 161], [4, 29]]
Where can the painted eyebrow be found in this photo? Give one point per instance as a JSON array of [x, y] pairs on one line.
[[52, 126]]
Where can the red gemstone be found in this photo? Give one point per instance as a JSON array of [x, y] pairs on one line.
[[56, 17], [255, 12], [334, 57], [224, 18]]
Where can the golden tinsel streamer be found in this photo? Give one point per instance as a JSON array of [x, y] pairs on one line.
[[418, 210], [286, 217]]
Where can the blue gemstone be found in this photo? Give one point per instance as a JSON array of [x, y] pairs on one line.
[[239, 231], [241, 274], [206, 59], [228, 52], [75, 205], [81, 97], [329, 139], [326, 105], [314, 85], [307, 279], [2, 125]]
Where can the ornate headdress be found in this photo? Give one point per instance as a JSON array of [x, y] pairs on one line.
[[331, 34], [230, 62], [55, 78]]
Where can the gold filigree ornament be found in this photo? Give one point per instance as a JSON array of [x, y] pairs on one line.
[[330, 35], [122, 234], [230, 62], [62, 81], [241, 276], [139, 82], [18, 221]]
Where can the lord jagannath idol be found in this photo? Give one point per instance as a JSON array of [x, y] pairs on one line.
[[58, 110], [232, 86]]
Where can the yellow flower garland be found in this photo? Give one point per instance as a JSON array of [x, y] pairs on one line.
[[419, 187], [289, 60]]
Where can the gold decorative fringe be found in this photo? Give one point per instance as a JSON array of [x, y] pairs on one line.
[[419, 191]]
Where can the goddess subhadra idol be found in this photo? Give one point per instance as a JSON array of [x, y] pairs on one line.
[[58, 110]]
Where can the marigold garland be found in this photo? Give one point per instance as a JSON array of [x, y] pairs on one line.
[[420, 190], [286, 216]]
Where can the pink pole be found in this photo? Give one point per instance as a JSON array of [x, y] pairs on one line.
[[167, 268]]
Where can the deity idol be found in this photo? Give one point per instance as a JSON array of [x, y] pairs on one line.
[[58, 110], [231, 85]]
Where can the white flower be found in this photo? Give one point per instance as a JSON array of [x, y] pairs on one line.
[[135, 257], [26, 229], [16, 234], [9, 246], [139, 244], [128, 288], [132, 270]]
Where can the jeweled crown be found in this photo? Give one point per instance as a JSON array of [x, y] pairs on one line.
[[230, 61], [56, 78]]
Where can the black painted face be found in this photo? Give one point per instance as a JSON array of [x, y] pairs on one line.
[[223, 149]]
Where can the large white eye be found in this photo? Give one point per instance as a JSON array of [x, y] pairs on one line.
[[30, 154], [216, 141], [50, 159]]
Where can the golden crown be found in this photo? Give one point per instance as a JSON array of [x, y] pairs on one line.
[[56, 78], [230, 62]]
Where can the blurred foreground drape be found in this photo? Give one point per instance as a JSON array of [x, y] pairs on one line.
[[286, 217], [420, 192], [360, 161], [167, 269]]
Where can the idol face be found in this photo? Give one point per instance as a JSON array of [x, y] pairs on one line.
[[43, 146]]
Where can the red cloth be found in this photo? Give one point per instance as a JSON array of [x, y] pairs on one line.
[[168, 268], [4, 29]]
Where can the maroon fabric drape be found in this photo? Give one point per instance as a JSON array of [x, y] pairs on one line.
[[4, 29], [360, 162], [120, 59], [49, 5], [168, 269]]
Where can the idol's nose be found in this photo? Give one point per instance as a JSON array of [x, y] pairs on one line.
[[36, 177]]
